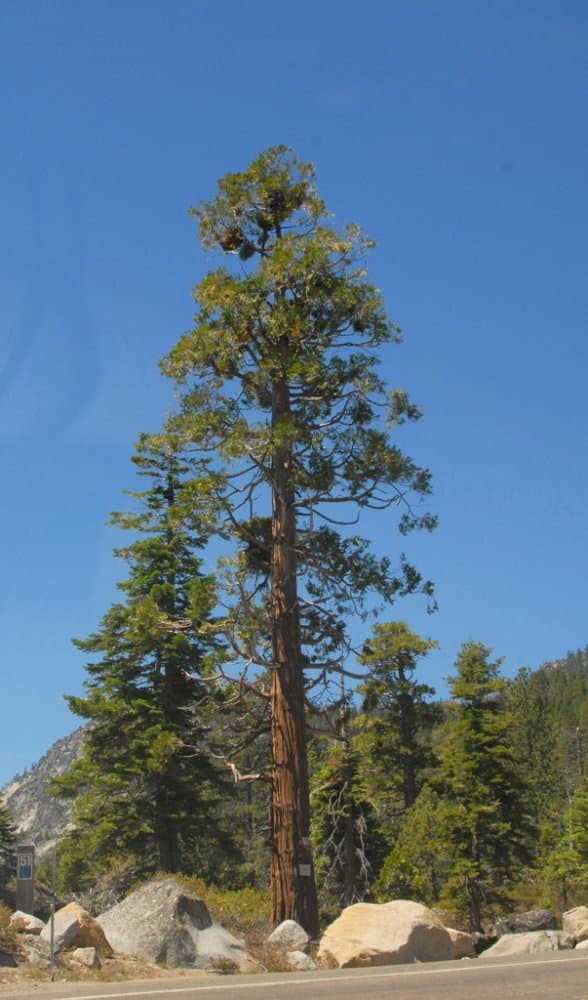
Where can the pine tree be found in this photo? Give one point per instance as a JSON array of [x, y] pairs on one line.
[[536, 739], [564, 872], [579, 822], [418, 865], [7, 849], [148, 787], [281, 401], [399, 713], [488, 825], [346, 828]]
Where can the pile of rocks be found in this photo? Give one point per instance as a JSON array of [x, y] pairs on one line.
[[573, 934], [162, 923], [74, 931]]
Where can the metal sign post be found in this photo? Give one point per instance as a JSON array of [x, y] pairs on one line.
[[25, 878], [52, 918]]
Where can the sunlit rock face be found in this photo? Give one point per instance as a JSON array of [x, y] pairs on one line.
[[40, 818]]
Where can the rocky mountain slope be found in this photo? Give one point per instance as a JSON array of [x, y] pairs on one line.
[[40, 818]]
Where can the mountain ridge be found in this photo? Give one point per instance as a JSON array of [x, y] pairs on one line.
[[40, 818]]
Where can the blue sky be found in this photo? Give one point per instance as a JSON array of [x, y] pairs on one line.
[[454, 132]]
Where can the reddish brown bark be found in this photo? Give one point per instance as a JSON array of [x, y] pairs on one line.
[[292, 874]]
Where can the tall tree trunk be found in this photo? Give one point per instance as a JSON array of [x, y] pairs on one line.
[[166, 835], [475, 906], [349, 859], [292, 875], [408, 742]]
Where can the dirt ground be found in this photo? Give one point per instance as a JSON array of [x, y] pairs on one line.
[[24, 977]]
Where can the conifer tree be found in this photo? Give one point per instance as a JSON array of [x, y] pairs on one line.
[[146, 780], [487, 817], [346, 827], [579, 823], [283, 406], [564, 869], [418, 865], [7, 851], [398, 710], [536, 740]]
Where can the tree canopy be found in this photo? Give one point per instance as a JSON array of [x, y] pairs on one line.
[[486, 800], [294, 433], [147, 781]]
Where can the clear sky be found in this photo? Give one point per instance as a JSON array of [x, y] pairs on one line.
[[453, 131]]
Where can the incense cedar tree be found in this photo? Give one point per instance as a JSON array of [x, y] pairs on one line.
[[281, 404]]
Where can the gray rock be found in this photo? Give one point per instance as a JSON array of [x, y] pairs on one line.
[[291, 935], [27, 922], [90, 934], [575, 922], [582, 945], [522, 923], [66, 929], [36, 952], [300, 961], [529, 944], [164, 923], [38, 817], [86, 956]]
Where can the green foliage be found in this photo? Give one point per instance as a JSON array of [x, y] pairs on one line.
[[418, 865], [399, 715], [147, 784], [564, 869], [292, 433], [487, 822], [349, 844], [579, 822], [300, 316], [242, 911], [550, 708], [8, 932], [7, 848]]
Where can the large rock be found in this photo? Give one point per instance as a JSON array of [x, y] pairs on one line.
[[529, 944], [90, 933], [65, 928], [522, 923], [289, 935], [575, 922], [463, 944], [300, 961], [388, 934], [165, 923], [86, 956], [26, 922], [75, 928]]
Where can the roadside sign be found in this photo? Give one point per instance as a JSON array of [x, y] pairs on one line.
[[25, 877], [25, 865]]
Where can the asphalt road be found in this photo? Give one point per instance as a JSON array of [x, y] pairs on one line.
[[561, 976]]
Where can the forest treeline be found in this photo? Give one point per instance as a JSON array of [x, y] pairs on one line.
[[477, 804], [235, 730]]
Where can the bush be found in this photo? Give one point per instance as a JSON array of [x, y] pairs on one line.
[[241, 911], [8, 933]]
